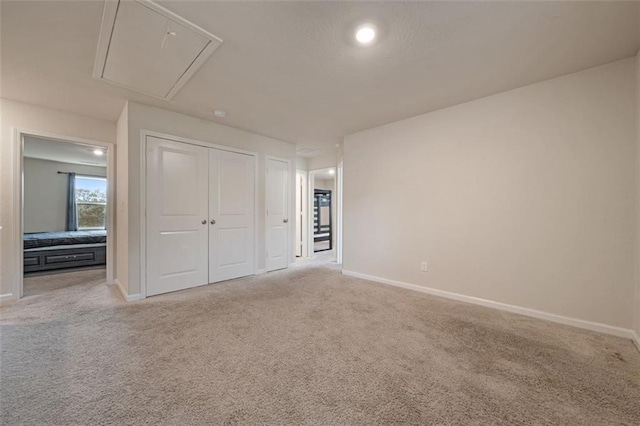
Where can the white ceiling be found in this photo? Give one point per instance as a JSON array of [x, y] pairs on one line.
[[146, 48], [292, 71], [325, 174], [64, 152]]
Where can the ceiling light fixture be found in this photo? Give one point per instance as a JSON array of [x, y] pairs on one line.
[[219, 113], [98, 152], [332, 171], [365, 34]]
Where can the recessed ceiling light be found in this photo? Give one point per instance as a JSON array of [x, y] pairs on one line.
[[98, 152], [365, 34], [219, 113]]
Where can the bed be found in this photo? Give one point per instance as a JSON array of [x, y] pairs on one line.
[[47, 251]]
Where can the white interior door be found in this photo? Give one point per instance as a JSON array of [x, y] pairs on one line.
[[177, 211], [277, 202], [231, 215]]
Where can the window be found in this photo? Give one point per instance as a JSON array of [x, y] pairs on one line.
[[91, 200]]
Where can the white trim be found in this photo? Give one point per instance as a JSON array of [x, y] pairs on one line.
[[261, 271], [335, 204], [636, 340], [142, 214], [18, 245], [109, 11], [339, 198], [125, 296], [588, 325], [290, 256], [174, 138], [109, 15], [256, 212], [18, 135], [143, 197], [7, 297], [311, 186], [303, 214]]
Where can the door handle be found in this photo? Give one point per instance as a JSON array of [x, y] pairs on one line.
[[285, 220], [213, 221], [204, 222]]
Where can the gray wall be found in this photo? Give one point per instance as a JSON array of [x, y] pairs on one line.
[[45, 193]]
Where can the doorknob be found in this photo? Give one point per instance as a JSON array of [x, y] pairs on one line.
[[204, 222], [285, 220], [213, 221]]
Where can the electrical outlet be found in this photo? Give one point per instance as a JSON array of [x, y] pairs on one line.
[[423, 266]]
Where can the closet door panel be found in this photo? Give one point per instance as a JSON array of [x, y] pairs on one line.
[[231, 214], [177, 240]]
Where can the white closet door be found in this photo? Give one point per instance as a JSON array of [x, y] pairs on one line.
[[231, 215], [177, 226], [277, 201]]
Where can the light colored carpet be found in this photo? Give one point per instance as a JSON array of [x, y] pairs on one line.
[[46, 282], [303, 346]]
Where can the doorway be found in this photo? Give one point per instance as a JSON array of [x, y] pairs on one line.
[[64, 213], [323, 235]]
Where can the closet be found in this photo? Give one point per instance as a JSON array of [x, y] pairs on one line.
[[199, 215]]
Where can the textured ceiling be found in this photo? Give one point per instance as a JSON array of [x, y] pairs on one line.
[[291, 70]]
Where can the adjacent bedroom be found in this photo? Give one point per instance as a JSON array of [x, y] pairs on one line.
[[64, 215]]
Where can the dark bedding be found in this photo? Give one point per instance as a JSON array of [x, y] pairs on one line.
[[48, 239]]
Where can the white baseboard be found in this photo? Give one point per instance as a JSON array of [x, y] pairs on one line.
[[261, 271], [636, 340], [588, 325], [7, 297], [125, 296]]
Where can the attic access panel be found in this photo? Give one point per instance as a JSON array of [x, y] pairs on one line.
[[149, 49]]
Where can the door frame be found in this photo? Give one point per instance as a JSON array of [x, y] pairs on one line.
[[302, 215], [290, 207], [143, 196], [18, 137], [336, 219], [338, 207]]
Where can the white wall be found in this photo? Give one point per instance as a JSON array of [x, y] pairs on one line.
[[301, 163], [525, 197], [143, 117], [122, 200], [45, 193], [637, 296], [324, 184], [325, 160], [35, 118]]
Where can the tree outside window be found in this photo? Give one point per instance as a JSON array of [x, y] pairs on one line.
[[91, 200]]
